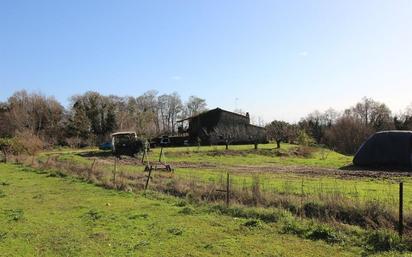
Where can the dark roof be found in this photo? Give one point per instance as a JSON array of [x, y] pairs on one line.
[[205, 112]]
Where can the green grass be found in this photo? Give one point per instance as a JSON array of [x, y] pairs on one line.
[[246, 155], [287, 181], [49, 216]]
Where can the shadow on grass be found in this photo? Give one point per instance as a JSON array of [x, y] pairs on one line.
[[99, 154]]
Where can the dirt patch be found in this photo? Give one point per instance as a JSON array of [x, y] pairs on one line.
[[297, 170], [301, 151]]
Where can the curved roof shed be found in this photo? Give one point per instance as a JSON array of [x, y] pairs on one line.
[[386, 148]]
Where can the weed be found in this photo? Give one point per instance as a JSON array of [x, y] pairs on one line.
[[181, 204], [325, 233], [383, 240], [137, 216], [141, 244], [57, 173], [14, 214], [93, 215], [265, 215], [187, 210], [253, 224], [313, 209], [2, 193], [3, 235], [292, 226], [175, 231]]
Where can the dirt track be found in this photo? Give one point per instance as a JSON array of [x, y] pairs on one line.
[[349, 172]]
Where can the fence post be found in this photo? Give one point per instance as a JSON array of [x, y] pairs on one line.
[[91, 170], [400, 228], [161, 154], [47, 162], [227, 189], [115, 170], [143, 155], [148, 178], [301, 200]]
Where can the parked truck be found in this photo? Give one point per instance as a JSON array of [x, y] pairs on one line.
[[127, 143]]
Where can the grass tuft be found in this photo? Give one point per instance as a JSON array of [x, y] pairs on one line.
[[253, 224], [14, 214], [175, 231], [93, 215], [187, 210]]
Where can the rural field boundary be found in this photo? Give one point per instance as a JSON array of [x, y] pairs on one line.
[[327, 203]]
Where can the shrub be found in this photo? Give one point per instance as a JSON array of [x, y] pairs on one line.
[[28, 143], [292, 226], [304, 139], [313, 209], [304, 151], [325, 233], [383, 240], [6, 147], [22, 143]]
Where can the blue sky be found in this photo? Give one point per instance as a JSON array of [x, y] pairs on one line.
[[280, 59]]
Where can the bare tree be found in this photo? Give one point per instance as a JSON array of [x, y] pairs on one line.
[[194, 106], [372, 113], [347, 134], [170, 108]]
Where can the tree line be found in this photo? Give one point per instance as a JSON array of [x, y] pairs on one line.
[[341, 131], [92, 117]]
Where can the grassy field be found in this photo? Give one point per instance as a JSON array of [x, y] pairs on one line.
[[266, 154], [43, 215], [288, 174]]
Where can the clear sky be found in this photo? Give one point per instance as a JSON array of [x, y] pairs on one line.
[[280, 59]]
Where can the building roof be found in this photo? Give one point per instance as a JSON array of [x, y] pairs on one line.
[[216, 109], [124, 133]]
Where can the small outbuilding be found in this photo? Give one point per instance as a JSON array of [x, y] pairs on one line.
[[386, 149]]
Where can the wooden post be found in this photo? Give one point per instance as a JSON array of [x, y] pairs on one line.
[[301, 200], [227, 190], [91, 169], [115, 170], [47, 162], [148, 178], [161, 153], [144, 155], [400, 228]]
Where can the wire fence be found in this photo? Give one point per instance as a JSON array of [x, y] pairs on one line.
[[366, 203]]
